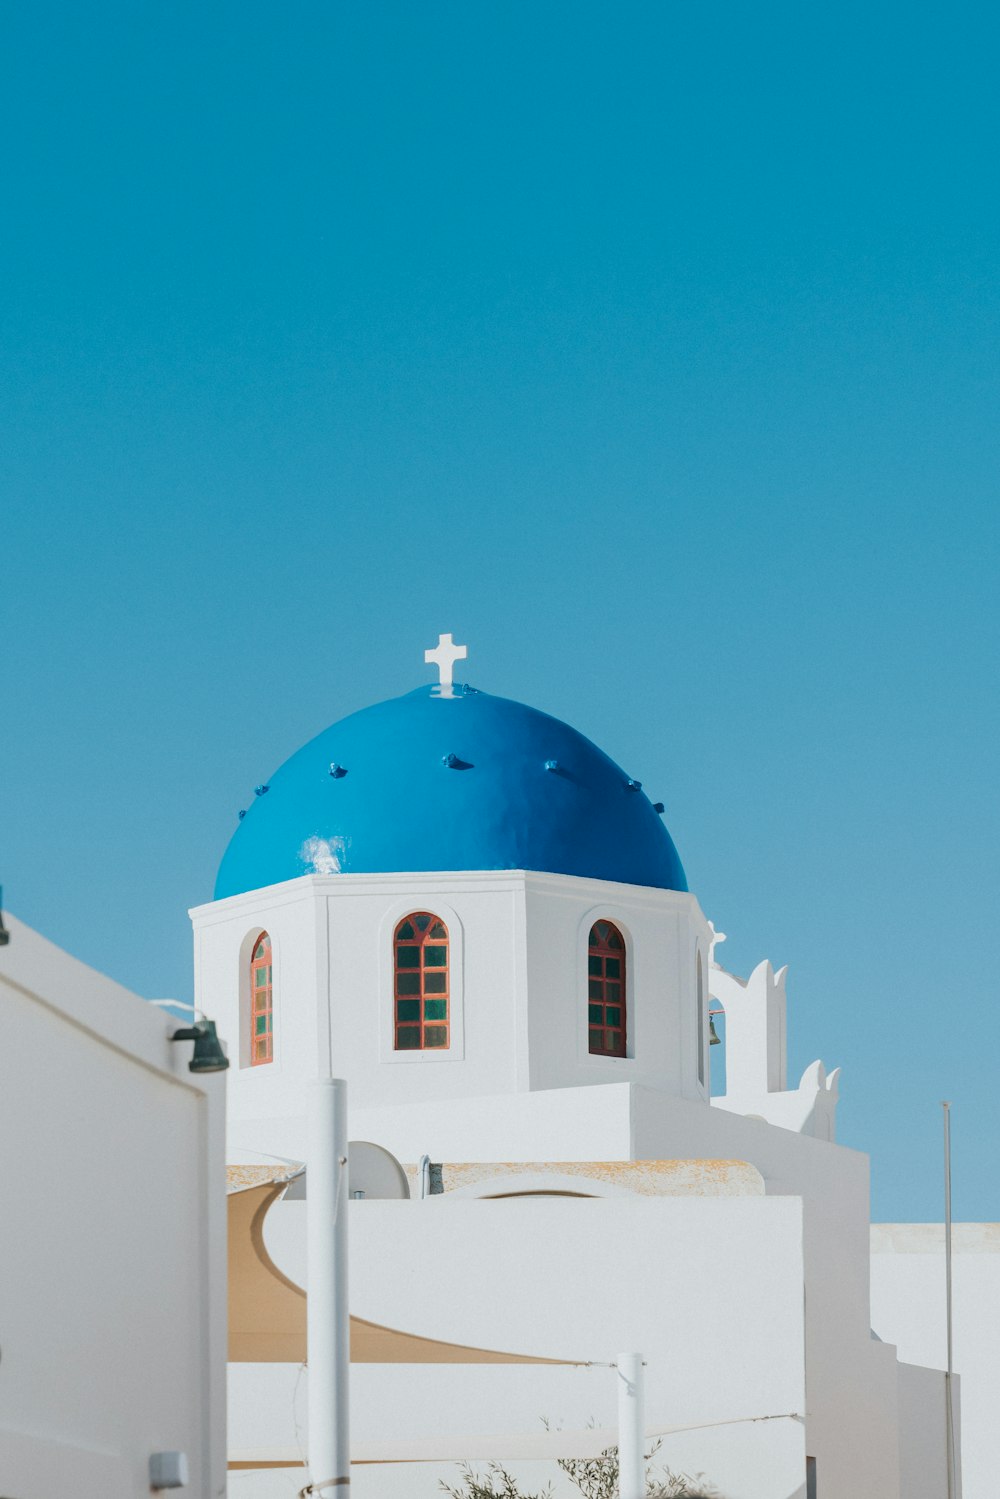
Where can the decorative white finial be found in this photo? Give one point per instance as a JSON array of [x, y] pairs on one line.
[[444, 657], [714, 941]]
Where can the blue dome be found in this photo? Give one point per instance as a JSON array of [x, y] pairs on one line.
[[429, 782]]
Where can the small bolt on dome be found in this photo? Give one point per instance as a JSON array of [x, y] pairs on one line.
[[552, 765], [659, 807], [451, 761], [259, 790], [631, 785], [241, 813], [337, 770]]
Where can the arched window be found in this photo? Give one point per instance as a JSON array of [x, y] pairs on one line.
[[420, 952], [261, 1002], [606, 990]]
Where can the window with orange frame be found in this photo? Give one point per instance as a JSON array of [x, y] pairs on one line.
[[261, 1002], [420, 983], [606, 990]]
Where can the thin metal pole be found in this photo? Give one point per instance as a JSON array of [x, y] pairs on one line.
[[328, 1326], [631, 1428], [949, 1409]]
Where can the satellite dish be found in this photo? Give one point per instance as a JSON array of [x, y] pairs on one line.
[[375, 1172], [371, 1172]]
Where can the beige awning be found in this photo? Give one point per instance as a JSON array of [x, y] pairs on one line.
[[267, 1311]]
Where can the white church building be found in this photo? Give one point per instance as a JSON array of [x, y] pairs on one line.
[[464, 908]]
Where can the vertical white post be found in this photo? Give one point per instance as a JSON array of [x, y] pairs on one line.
[[631, 1428], [327, 1314], [949, 1408]]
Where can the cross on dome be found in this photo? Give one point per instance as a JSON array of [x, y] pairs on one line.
[[444, 656]]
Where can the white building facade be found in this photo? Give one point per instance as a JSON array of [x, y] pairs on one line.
[[112, 1240], [467, 911]]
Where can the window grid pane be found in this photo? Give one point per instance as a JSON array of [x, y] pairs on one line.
[[261, 1002], [421, 966], [606, 991]]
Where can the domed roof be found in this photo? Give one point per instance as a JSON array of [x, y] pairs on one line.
[[437, 780]]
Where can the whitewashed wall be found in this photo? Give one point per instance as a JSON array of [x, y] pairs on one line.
[[864, 1415], [663, 931], [908, 1309], [112, 1244], [518, 990], [708, 1290]]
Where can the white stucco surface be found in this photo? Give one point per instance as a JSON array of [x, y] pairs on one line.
[[569, 1279], [518, 1086], [856, 1411], [517, 963], [112, 1296], [908, 1308]]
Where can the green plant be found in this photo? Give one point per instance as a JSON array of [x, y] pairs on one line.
[[593, 1477], [597, 1478], [495, 1483]]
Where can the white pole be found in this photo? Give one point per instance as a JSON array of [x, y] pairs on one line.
[[631, 1428], [949, 1407], [327, 1315]]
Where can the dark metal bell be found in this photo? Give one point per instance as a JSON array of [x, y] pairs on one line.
[[208, 1055]]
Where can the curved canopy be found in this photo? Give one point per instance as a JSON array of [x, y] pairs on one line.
[[267, 1311]]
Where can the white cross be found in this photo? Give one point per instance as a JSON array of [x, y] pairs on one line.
[[444, 657]]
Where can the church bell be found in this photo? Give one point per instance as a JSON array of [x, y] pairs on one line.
[[714, 1039], [208, 1055]]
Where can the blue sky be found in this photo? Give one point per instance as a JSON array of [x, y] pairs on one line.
[[652, 350]]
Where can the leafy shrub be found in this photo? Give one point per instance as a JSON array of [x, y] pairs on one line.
[[593, 1477]]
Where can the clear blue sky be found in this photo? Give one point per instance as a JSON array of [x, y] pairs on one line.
[[652, 349]]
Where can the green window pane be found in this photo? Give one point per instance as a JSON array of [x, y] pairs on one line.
[[407, 957], [594, 966], [601, 928], [613, 1043], [614, 940], [595, 989], [260, 1025], [422, 922], [407, 1009], [435, 1009], [259, 953], [435, 983], [613, 968], [613, 1015], [406, 930], [407, 983], [268, 973], [596, 1042], [408, 1038], [435, 1035], [435, 957], [438, 929], [613, 994], [595, 1014]]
